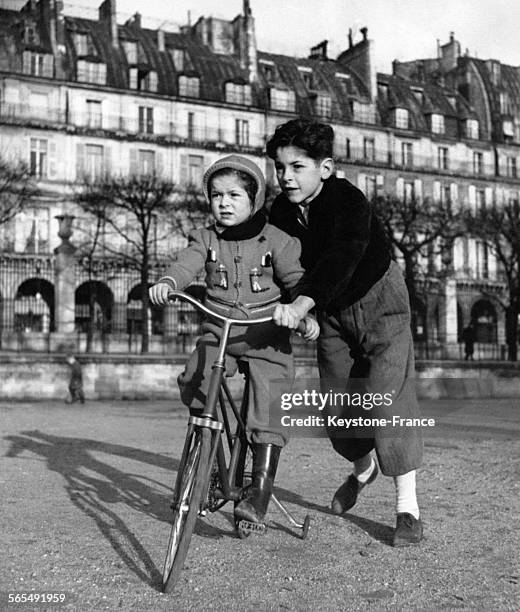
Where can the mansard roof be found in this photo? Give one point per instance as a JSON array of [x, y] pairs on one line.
[[334, 79]]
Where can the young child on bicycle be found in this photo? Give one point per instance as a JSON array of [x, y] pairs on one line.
[[248, 264]]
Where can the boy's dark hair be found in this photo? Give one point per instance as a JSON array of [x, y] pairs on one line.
[[316, 139], [248, 182]]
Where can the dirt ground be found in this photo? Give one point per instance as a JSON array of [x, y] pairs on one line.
[[85, 495]]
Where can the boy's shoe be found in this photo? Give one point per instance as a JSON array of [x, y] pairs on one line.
[[265, 463], [346, 496], [408, 530]]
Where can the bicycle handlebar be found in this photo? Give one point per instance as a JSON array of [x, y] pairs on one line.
[[172, 295]]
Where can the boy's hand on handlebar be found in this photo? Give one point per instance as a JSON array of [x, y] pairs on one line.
[[285, 315], [312, 329], [159, 294], [289, 315]]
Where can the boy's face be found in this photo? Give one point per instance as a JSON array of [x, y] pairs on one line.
[[300, 177], [230, 203]]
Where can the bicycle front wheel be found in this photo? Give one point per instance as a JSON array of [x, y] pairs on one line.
[[186, 506]]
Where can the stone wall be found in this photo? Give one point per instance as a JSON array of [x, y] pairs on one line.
[[34, 377]]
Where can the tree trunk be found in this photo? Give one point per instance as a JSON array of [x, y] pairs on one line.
[[91, 312], [512, 332], [145, 345], [409, 277]]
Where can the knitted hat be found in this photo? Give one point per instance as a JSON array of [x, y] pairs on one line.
[[237, 162]]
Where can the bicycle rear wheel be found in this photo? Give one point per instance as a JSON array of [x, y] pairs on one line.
[[191, 482]]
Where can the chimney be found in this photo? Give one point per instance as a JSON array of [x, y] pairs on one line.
[[350, 40], [359, 57], [137, 20], [450, 53], [108, 16], [160, 40], [319, 51], [244, 41], [251, 55]]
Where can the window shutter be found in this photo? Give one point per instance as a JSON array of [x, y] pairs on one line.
[[159, 165], [454, 193], [80, 161], [489, 196], [26, 62], [48, 65], [134, 167], [472, 197], [107, 154], [399, 188], [184, 170], [436, 191], [361, 181], [418, 189], [52, 160]]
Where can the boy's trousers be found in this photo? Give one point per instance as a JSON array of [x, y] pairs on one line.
[[367, 348], [267, 351]]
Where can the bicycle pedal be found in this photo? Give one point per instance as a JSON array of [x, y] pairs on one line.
[[247, 527]]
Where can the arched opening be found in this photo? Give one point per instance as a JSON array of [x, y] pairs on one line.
[[484, 315], [460, 322], [102, 301], [34, 306], [134, 314]]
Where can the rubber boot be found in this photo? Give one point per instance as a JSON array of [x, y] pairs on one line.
[[265, 463]]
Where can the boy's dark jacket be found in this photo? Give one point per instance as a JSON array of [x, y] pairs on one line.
[[345, 250]]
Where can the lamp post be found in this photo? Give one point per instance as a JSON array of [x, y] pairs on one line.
[[65, 278]]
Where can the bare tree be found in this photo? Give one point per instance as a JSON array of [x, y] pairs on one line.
[[16, 188], [139, 214], [499, 229], [419, 230]]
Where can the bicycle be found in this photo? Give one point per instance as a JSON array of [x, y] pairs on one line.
[[205, 479]]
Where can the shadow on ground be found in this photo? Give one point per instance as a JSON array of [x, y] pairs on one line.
[[94, 486]]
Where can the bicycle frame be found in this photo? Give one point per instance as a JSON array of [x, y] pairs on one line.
[[209, 417]]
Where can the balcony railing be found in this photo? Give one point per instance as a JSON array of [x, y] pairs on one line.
[[383, 157], [17, 113]]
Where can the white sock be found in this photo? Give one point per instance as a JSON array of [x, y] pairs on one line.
[[363, 468], [406, 498]]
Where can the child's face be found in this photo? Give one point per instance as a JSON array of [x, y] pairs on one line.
[[230, 203], [299, 176]]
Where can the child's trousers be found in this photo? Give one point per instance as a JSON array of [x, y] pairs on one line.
[[267, 351], [367, 348]]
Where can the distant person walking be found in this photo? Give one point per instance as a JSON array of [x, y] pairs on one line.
[[469, 336], [76, 381]]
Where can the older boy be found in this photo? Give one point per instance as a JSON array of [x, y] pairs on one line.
[[363, 311]]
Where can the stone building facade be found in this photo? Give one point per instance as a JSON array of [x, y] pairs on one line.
[[80, 97]]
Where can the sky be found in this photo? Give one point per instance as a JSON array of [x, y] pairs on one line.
[[399, 29]]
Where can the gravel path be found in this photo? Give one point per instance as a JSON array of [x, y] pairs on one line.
[[85, 512]]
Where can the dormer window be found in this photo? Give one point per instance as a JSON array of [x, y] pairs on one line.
[[83, 44], [37, 64], [323, 106], [505, 103], [364, 113], [401, 118], [418, 94], [91, 72], [437, 123], [269, 70], [30, 34], [282, 99], [178, 58], [306, 74], [142, 80], [237, 93], [130, 49], [189, 86], [471, 128]]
